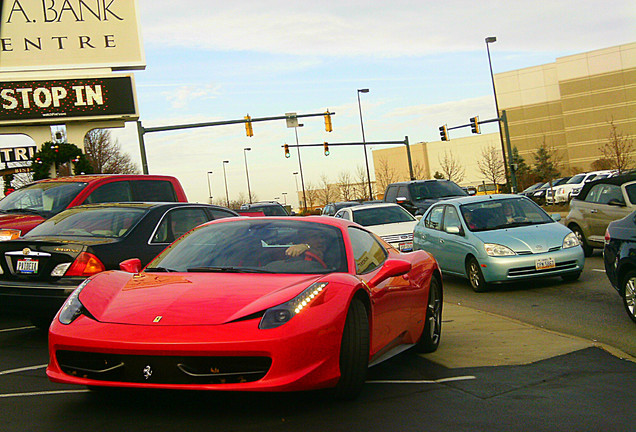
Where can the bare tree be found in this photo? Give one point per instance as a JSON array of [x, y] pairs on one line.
[[418, 171], [491, 165], [311, 192], [327, 192], [385, 174], [618, 149], [361, 185], [345, 185], [451, 167], [105, 156]]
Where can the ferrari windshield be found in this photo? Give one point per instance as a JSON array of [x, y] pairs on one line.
[[256, 245], [45, 199]]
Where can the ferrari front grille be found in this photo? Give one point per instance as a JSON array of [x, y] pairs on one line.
[[163, 369]]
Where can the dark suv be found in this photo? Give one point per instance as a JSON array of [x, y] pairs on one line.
[[418, 195], [269, 208]]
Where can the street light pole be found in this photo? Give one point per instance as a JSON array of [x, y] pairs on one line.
[[366, 159], [489, 40], [300, 166], [227, 196], [209, 187], [284, 197], [249, 192]]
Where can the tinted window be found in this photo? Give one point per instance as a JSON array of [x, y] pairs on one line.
[[435, 189], [631, 192], [270, 210], [111, 192], [381, 215], [153, 191], [87, 222], [220, 214], [46, 199], [367, 251], [391, 194], [177, 222]]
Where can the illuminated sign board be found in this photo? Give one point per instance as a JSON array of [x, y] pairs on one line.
[[67, 99], [69, 34], [17, 154]]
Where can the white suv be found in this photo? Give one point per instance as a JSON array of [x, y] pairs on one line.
[[564, 192]]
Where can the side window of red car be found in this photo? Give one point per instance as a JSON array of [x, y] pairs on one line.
[[367, 251]]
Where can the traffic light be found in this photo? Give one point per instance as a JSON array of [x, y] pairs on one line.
[[474, 124], [248, 126], [287, 151], [443, 133], [328, 126], [326, 146]]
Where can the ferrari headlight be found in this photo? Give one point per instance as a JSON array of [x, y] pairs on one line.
[[73, 308], [570, 241], [494, 249], [280, 314]]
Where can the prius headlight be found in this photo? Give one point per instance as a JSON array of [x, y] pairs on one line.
[[279, 315], [570, 241], [494, 249], [73, 307]]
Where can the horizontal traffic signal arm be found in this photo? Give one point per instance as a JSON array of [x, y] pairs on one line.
[[227, 122]]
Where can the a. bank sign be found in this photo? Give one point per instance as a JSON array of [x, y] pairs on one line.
[[69, 34]]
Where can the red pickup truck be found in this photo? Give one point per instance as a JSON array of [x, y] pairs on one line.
[[30, 205]]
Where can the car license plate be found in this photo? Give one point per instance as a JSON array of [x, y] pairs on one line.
[[27, 266], [406, 246], [544, 263]]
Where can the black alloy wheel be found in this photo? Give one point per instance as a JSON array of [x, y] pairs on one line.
[[354, 352], [432, 332]]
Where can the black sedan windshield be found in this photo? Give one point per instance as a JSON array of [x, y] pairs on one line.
[[256, 245]]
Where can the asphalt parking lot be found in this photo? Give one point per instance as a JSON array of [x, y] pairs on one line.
[[490, 373]]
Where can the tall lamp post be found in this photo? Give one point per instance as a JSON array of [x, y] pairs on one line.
[[209, 187], [227, 196], [364, 142], [247, 174], [300, 167], [489, 40], [284, 197]]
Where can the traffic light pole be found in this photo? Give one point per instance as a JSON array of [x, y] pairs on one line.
[[404, 142], [141, 130]]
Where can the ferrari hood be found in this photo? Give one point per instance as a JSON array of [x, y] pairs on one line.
[[535, 238], [187, 298]]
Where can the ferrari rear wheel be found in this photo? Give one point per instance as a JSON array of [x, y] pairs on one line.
[[431, 335], [354, 352]]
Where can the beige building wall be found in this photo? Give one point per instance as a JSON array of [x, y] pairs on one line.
[[569, 104], [427, 158]]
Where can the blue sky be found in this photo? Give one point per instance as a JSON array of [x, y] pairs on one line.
[[425, 64]]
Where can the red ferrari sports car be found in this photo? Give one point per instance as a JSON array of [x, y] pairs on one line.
[[258, 304]]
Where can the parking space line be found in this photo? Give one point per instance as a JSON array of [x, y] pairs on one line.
[[599, 270], [439, 381], [16, 329], [28, 368], [43, 393]]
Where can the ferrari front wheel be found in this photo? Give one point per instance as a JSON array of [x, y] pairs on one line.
[[431, 335], [354, 352]]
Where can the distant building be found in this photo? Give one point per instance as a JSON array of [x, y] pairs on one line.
[[568, 104]]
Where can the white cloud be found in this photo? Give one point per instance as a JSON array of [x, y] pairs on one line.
[[401, 28]]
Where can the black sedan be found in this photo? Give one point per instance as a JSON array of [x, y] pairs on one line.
[[42, 268], [619, 255]]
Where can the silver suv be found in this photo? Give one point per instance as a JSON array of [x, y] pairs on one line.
[[598, 203]]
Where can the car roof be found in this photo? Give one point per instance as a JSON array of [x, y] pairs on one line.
[[419, 181], [371, 205], [148, 205], [478, 198], [95, 177]]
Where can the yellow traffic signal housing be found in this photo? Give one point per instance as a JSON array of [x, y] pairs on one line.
[[474, 124], [248, 126], [287, 151], [443, 133], [328, 126], [326, 146]]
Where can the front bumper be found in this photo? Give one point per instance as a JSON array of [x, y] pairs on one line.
[[520, 267], [237, 356]]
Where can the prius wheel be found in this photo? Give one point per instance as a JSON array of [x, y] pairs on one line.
[[354, 352], [475, 276], [629, 294], [430, 338]]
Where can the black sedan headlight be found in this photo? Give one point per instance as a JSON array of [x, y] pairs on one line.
[[279, 315], [73, 307]]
